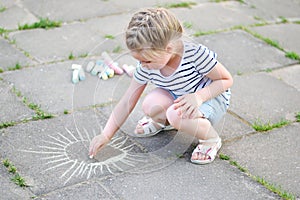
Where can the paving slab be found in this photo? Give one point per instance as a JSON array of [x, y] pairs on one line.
[[52, 154], [12, 108], [275, 9], [14, 16], [266, 155], [289, 75], [287, 35], [215, 16], [78, 38], [235, 53], [10, 56], [254, 94], [183, 180], [86, 190], [77, 10], [50, 87], [10, 190]]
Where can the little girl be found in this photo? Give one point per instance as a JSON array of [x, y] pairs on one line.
[[192, 87]]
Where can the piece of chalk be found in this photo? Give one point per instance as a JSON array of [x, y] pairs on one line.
[[81, 74], [91, 156], [96, 69], [90, 66], [76, 66], [75, 76], [109, 62]]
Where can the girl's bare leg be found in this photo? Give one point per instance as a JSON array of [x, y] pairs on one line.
[[200, 128], [155, 106]]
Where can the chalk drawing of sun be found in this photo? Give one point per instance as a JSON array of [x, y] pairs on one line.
[[70, 151]]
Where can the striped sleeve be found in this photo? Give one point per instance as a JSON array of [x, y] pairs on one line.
[[205, 60], [141, 75]]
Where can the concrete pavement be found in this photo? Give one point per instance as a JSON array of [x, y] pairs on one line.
[[46, 122]]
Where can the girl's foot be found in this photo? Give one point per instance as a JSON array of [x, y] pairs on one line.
[[146, 127], [206, 151]]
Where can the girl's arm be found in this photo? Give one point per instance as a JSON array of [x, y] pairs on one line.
[[118, 116], [188, 104], [222, 80]]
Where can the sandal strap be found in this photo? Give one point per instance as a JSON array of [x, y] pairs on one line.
[[147, 120], [210, 151], [211, 140]]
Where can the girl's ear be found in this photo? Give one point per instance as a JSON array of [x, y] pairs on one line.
[[169, 48]]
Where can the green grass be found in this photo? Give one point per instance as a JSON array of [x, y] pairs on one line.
[[16, 67], [2, 9], [44, 23], [271, 187], [283, 20], [71, 56], [109, 37], [292, 55], [261, 127], [187, 25], [1, 70], [39, 113], [224, 157], [17, 179], [276, 189], [7, 124], [298, 117], [186, 4], [201, 33], [117, 49]]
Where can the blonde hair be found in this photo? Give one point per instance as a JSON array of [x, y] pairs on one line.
[[151, 30]]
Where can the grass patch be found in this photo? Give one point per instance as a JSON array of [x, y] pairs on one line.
[[273, 188], [16, 67], [298, 117], [1, 70], [7, 124], [261, 127], [117, 49], [187, 25], [2, 9], [283, 20], [2, 31], [17, 179], [39, 113], [109, 37], [44, 23], [267, 40], [224, 157], [187, 4], [292, 55], [276, 189], [201, 33], [71, 56]]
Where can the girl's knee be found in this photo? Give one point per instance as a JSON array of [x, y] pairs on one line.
[[173, 117]]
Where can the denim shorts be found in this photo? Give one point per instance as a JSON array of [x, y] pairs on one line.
[[213, 109]]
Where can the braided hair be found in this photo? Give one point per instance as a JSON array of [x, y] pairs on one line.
[[152, 29]]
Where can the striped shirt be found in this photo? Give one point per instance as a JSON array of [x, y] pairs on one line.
[[196, 62]]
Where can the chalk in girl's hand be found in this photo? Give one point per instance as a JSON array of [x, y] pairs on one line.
[[91, 156], [109, 62]]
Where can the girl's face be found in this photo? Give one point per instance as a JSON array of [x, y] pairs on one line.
[[157, 62]]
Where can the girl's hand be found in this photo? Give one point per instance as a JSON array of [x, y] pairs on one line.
[[188, 105], [97, 143]]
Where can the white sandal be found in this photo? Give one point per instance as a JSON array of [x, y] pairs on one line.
[[150, 129], [209, 151]]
